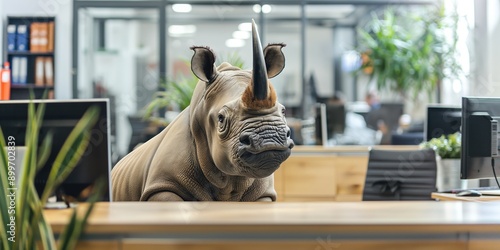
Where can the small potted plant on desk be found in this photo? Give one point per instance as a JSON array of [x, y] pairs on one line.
[[448, 149]]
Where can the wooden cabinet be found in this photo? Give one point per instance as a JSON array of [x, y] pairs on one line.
[[324, 174], [30, 52], [321, 178]]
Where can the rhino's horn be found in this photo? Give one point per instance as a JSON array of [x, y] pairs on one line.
[[259, 76]]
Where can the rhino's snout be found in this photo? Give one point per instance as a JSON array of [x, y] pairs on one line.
[[268, 139], [262, 150]]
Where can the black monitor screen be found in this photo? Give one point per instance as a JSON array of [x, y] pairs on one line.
[[335, 121], [388, 113], [60, 118], [442, 120], [480, 117]]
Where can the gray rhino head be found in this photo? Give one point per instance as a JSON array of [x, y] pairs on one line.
[[239, 127]]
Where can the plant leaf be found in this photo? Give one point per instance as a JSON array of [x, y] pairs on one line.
[[75, 227]]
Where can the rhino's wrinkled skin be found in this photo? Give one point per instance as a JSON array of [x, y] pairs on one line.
[[224, 147]]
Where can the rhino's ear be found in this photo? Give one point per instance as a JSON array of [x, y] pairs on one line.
[[203, 63], [275, 60]]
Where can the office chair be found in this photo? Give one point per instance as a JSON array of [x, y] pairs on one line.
[[400, 175], [407, 138]]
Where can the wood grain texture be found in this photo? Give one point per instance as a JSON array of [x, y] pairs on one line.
[[287, 217], [319, 244], [484, 244], [454, 197], [324, 175], [108, 244], [309, 176]]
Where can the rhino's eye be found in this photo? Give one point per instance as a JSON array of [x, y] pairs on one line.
[[221, 118], [283, 111]]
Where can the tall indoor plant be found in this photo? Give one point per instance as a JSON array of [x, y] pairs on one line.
[[410, 53], [21, 209]]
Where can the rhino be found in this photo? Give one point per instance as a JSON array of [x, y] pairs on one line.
[[225, 146]]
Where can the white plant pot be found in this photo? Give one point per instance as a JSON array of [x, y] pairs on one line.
[[448, 176]]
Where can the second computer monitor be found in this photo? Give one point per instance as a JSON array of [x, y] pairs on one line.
[[480, 155], [442, 120]]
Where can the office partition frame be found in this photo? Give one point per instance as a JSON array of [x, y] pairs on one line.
[[161, 5]]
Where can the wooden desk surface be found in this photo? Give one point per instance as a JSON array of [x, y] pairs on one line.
[[316, 217], [454, 197], [348, 149]]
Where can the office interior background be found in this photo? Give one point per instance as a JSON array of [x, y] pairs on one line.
[[121, 49]]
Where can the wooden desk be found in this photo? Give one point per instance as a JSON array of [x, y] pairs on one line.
[[286, 225], [317, 173], [454, 197]]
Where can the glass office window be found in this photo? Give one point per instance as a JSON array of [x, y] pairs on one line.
[[222, 27], [283, 24], [118, 59]]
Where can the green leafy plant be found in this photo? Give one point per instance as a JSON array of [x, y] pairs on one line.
[[448, 147], [178, 93], [410, 53], [22, 218]]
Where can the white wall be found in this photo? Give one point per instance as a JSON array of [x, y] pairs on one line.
[[493, 20], [62, 10], [2, 17]]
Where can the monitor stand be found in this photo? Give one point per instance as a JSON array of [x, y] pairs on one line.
[[59, 201], [59, 205]]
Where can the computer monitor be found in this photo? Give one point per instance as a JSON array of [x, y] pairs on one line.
[[480, 137], [330, 121], [388, 112], [335, 119], [442, 120], [61, 117]]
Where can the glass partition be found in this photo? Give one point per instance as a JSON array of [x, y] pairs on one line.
[[118, 59], [222, 27], [126, 49]]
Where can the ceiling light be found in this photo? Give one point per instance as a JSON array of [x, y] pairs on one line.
[[245, 27], [266, 8], [241, 34], [235, 43], [181, 8], [256, 8]]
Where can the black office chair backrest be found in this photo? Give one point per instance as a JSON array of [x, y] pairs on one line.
[[400, 175]]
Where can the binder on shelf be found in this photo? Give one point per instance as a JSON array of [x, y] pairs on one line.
[[34, 37], [43, 35], [49, 71], [23, 70], [39, 71], [50, 46], [16, 70], [11, 37], [22, 37]]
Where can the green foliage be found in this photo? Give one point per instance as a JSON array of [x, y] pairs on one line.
[[448, 147], [31, 229], [409, 53], [178, 93]]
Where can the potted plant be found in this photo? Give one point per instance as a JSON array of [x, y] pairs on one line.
[[448, 149], [21, 209], [410, 53]]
